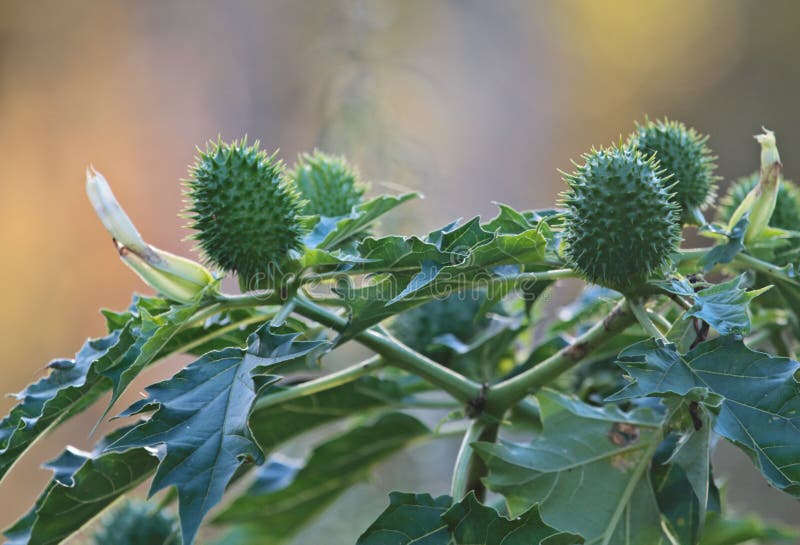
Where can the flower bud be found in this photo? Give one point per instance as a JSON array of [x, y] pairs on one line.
[[760, 202], [173, 276]]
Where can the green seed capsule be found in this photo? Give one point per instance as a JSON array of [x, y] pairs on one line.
[[684, 155], [328, 183], [244, 212], [136, 523], [622, 224]]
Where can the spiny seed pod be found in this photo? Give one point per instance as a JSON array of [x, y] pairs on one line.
[[622, 224], [684, 155], [456, 314], [135, 523], [787, 208], [244, 212], [328, 183]]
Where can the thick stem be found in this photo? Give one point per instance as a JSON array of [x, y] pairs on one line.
[[400, 355], [322, 383], [469, 469], [511, 391]]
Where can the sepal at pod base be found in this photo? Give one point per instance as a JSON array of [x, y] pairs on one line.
[[760, 202], [175, 277]]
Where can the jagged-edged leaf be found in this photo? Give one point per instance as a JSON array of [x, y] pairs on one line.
[[756, 395], [432, 266], [84, 485], [275, 424], [587, 471], [137, 337], [201, 418], [328, 233], [419, 519], [726, 530], [730, 245], [724, 306], [277, 514], [316, 257]]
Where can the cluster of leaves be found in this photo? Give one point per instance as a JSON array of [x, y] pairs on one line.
[[630, 393]]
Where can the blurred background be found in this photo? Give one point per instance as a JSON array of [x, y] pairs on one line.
[[467, 101]]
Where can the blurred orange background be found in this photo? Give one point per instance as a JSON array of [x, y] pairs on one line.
[[468, 101]]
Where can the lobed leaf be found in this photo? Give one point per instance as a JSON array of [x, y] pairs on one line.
[[756, 395], [421, 519], [724, 306], [328, 233], [201, 418], [136, 339], [84, 484], [589, 461], [435, 265], [281, 503]]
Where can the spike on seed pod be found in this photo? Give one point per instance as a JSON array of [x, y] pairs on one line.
[[243, 211], [328, 183], [622, 223], [684, 155]]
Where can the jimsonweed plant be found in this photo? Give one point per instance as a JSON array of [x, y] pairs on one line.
[[597, 426]]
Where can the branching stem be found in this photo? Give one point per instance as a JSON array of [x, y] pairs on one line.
[[511, 391], [321, 384], [400, 355]]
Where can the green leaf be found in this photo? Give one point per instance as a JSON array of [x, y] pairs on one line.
[[273, 425], [83, 486], [756, 395], [683, 496], [589, 461], [279, 512], [724, 306], [231, 328], [726, 530], [444, 260], [138, 338], [201, 418], [421, 519], [329, 233], [725, 251]]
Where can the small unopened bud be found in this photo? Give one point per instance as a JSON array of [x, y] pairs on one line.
[[173, 276], [760, 202], [114, 218]]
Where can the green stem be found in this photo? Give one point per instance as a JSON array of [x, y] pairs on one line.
[[513, 390], [622, 504], [321, 384], [400, 355], [764, 267], [469, 469], [687, 254], [514, 279], [644, 319], [662, 323]]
